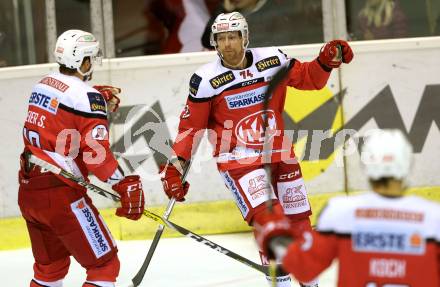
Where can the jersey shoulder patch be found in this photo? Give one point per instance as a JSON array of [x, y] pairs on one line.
[[88, 102], [97, 102], [268, 58], [200, 87]]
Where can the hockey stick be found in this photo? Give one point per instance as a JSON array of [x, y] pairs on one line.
[[137, 279], [56, 170], [274, 83]]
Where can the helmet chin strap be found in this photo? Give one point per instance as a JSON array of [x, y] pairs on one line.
[[87, 75]]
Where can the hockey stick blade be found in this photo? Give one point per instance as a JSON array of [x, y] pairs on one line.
[[149, 214]]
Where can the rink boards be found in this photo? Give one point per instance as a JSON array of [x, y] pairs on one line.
[[389, 84]]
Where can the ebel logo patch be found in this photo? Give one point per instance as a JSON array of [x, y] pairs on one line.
[[251, 130], [389, 241], [268, 63], [97, 102], [194, 84], [222, 79], [90, 227], [44, 102], [246, 99]]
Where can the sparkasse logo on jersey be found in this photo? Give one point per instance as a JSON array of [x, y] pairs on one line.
[[222, 79], [90, 227], [268, 63]]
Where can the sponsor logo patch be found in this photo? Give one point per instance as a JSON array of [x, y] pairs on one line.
[[268, 63], [90, 227], [194, 84], [293, 196], [251, 131], [99, 132], [256, 187], [396, 240], [54, 83], [239, 200], [222, 27], [44, 102], [222, 79], [97, 102], [246, 99]]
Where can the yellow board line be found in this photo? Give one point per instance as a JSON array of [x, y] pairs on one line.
[[216, 217]]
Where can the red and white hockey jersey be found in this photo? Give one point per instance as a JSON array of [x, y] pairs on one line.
[[230, 104], [69, 118], [378, 241]]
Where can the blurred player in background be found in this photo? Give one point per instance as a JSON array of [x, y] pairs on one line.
[[67, 125], [380, 238], [227, 97]]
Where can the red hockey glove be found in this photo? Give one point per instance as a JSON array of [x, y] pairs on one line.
[[109, 93], [269, 225], [329, 54], [132, 197], [172, 182]]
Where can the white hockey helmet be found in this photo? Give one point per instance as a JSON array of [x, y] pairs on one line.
[[73, 46], [387, 153], [229, 22]]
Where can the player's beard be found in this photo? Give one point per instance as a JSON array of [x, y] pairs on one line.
[[233, 59]]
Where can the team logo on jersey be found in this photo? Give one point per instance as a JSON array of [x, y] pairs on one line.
[[246, 99], [44, 102], [268, 63], [404, 241], [222, 79], [99, 133], [185, 113], [90, 227], [97, 102], [194, 84], [251, 131]]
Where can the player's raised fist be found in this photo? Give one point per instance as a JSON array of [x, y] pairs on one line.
[[334, 53], [110, 95]]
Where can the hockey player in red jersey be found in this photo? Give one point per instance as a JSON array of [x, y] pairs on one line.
[[67, 124], [380, 238], [227, 96]]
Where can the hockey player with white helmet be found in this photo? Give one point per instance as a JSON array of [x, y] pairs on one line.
[[67, 125], [380, 238], [227, 96]]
